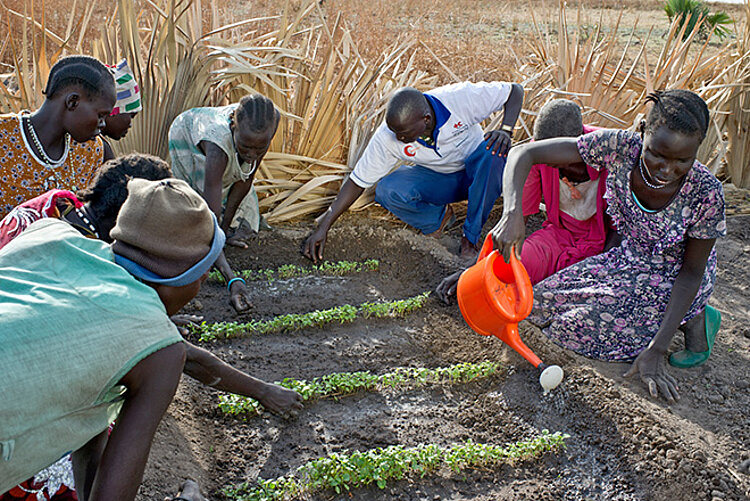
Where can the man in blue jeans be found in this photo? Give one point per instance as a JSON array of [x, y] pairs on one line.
[[439, 132]]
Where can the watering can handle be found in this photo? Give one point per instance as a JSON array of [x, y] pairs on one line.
[[487, 247], [523, 285]]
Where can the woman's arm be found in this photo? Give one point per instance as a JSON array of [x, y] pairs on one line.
[[216, 164], [510, 230], [212, 371], [150, 387], [237, 192], [685, 288], [650, 362]]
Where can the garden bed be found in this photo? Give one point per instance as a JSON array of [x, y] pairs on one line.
[[622, 444]]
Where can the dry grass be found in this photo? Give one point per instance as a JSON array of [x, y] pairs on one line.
[[330, 67]]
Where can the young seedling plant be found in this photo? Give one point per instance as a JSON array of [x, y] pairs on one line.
[[327, 268], [345, 471], [348, 383], [296, 321]]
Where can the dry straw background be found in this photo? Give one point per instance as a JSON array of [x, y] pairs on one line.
[[330, 67]]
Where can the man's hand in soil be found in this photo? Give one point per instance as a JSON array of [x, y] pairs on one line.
[[239, 297], [281, 401], [313, 246], [650, 364], [183, 321], [446, 290]]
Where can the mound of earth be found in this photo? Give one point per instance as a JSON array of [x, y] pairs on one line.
[[623, 444]]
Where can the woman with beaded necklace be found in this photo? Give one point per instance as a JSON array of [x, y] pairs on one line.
[[56, 146], [626, 304], [218, 151]]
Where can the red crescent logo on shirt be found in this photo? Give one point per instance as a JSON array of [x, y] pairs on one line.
[[409, 150]]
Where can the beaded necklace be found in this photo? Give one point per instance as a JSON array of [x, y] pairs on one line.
[[642, 167], [45, 159]]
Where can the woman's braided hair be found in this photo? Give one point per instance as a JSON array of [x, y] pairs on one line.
[[86, 71], [256, 112], [679, 110], [109, 189]]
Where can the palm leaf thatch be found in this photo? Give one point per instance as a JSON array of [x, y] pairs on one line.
[[335, 102], [182, 61], [31, 57], [610, 83], [730, 97]]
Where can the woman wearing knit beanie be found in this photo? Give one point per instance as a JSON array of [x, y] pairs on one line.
[[60, 391]]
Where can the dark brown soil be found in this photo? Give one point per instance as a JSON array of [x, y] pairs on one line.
[[623, 445]]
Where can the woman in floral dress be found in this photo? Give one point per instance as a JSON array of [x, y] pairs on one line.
[[628, 303]]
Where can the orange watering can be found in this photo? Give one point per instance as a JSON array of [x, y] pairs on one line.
[[494, 296]]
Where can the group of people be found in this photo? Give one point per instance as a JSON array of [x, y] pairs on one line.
[[97, 257], [98, 254]]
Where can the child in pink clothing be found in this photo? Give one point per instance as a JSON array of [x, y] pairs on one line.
[[577, 224]]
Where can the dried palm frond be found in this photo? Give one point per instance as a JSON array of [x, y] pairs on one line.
[[334, 105], [182, 61], [35, 53], [731, 98], [611, 87]]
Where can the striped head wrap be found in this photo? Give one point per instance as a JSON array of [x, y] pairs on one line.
[[128, 92]]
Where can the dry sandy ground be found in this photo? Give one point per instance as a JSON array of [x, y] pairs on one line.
[[623, 444]]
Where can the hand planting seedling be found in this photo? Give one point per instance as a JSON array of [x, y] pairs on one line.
[[349, 383], [345, 471], [296, 321], [338, 268]]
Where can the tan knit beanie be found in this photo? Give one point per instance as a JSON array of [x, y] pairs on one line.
[[165, 227]]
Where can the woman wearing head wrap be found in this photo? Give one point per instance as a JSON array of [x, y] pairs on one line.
[[127, 106]]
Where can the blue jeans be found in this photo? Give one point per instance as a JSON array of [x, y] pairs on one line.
[[418, 195]]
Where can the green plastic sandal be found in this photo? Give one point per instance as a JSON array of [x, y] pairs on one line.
[[685, 359]]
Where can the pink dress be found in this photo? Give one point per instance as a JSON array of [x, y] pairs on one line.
[[563, 239]]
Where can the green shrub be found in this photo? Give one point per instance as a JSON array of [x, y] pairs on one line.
[[693, 11]]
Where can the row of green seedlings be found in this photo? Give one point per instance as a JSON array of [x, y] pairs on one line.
[[348, 383], [338, 268], [346, 471], [297, 321]]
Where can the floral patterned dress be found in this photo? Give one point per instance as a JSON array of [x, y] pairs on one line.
[[611, 305], [24, 176]]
